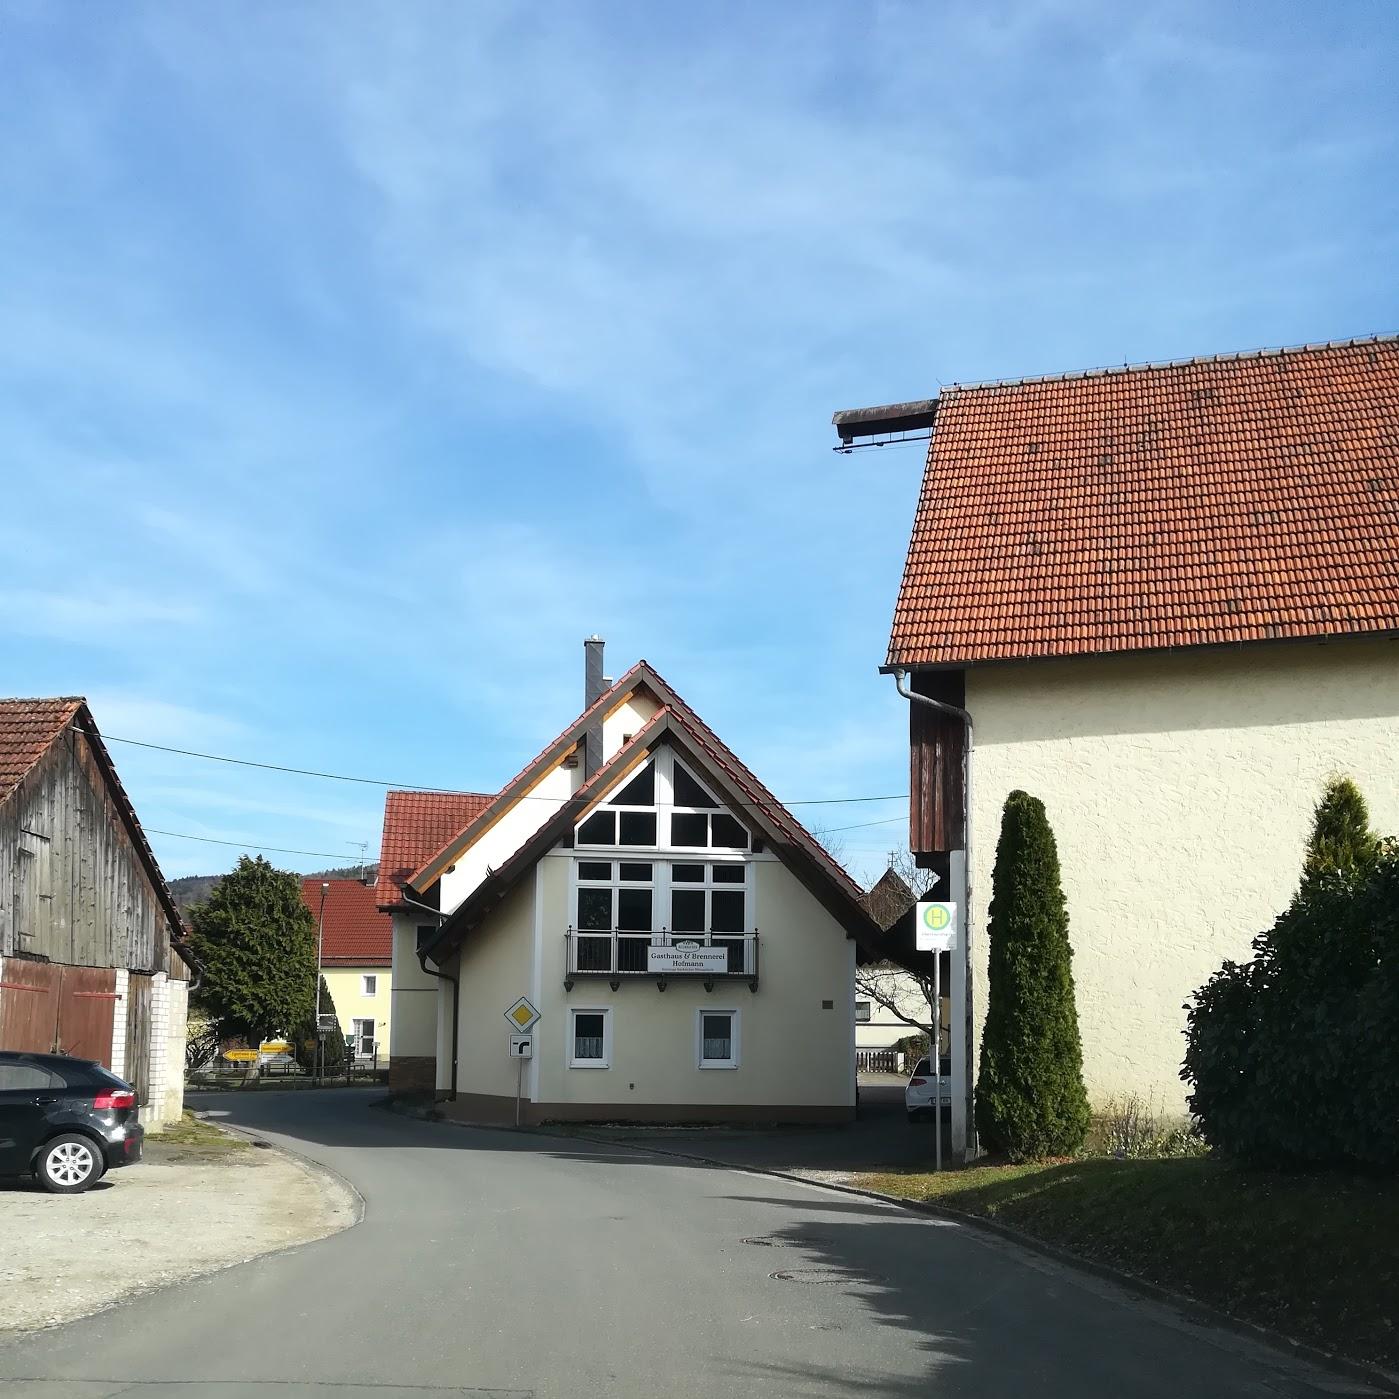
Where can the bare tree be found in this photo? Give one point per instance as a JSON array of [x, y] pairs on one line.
[[897, 976]]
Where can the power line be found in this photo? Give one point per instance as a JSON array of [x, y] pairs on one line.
[[449, 791], [249, 845], [861, 825]]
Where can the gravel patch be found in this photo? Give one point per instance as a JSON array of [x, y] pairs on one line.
[[185, 1210]]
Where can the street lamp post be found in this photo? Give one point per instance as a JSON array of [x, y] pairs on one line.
[[320, 947]]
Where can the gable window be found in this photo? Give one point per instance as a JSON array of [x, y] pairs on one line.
[[589, 1039], [697, 821], [663, 805], [369, 985], [716, 1039]]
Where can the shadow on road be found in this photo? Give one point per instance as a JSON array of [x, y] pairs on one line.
[[965, 1315]]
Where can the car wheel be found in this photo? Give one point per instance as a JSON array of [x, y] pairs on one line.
[[69, 1164]]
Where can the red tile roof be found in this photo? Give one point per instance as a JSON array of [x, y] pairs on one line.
[[1241, 498], [28, 728], [415, 825], [356, 933], [516, 789], [643, 676]]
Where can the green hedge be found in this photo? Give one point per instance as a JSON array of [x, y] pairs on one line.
[[1293, 1056]]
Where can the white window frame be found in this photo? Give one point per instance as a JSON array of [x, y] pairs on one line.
[[615, 884], [664, 760], [606, 1061], [369, 983], [735, 1042], [868, 1017]]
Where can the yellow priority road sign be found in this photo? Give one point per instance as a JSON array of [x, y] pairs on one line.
[[522, 1015]]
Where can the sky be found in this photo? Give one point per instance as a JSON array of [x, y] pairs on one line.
[[357, 361]]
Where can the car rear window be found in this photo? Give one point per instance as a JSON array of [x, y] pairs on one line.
[[16, 1078], [83, 1075], [921, 1067]]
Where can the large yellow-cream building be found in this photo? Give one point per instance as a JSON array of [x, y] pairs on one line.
[[688, 946], [356, 949], [1165, 600]]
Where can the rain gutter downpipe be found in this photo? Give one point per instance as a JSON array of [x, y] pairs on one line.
[[962, 894], [441, 976]]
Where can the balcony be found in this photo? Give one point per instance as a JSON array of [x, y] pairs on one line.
[[707, 957]]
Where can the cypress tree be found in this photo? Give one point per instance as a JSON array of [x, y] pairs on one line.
[[1030, 1099], [257, 942], [1341, 840]]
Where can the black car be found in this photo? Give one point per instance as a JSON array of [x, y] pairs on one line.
[[66, 1121]]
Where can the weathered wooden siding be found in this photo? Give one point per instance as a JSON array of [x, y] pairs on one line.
[[72, 887], [937, 750]]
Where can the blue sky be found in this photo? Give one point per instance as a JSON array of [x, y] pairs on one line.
[[357, 361]]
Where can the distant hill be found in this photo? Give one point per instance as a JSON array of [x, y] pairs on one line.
[[195, 888]]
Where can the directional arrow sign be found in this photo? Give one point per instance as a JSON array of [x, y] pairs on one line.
[[522, 1015]]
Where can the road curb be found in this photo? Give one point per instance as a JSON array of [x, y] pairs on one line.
[[356, 1199]]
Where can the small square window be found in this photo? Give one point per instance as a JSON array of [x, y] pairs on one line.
[[728, 833], [369, 985], [595, 869], [636, 873], [686, 828], [863, 1011], [687, 910], [716, 1035], [638, 828], [590, 1039], [687, 874], [728, 874]]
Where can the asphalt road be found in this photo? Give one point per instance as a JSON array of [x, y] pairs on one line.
[[494, 1264]]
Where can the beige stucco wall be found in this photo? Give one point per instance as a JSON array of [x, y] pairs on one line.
[[793, 1052], [1181, 790], [494, 968], [413, 994], [344, 985]]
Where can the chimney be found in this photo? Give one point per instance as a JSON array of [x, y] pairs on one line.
[[594, 683]]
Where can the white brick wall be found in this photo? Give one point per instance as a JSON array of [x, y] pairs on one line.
[[119, 1025], [153, 1114]]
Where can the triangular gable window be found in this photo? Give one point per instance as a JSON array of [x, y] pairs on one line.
[[640, 791], [663, 806], [688, 792]]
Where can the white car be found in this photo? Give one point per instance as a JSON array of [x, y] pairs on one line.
[[918, 1095]]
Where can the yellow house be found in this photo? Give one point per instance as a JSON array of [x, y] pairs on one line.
[[356, 941], [688, 947], [1163, 598]]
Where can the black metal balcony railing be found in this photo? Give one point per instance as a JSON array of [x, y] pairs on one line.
[[617, 953]]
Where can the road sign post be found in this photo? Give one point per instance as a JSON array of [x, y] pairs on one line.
[[523, 1017], [935, 931]]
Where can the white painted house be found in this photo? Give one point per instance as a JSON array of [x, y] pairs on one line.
[[689, 946], [1165, 600]]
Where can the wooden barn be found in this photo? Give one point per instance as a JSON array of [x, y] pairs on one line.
[[91, 961]]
